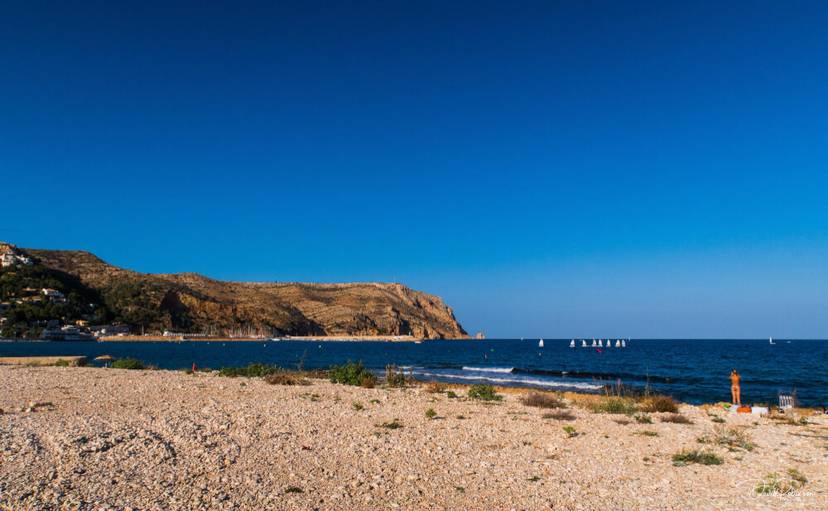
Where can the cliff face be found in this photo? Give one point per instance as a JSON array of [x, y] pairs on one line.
[[195, 303]]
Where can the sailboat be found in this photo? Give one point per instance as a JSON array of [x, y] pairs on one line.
[[583, 343], [600, 343], [770, 340], [572, 343], [623, 343], [594, 344], [618, 343], [540, 343]]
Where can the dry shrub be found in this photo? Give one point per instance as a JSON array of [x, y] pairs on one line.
[[368, 381], [284, 378], [659, 404], [435, 387], [676, 418], [395, 377], [542, 400], [560, 415]]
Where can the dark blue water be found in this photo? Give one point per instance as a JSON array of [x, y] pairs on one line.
[[694, 371]]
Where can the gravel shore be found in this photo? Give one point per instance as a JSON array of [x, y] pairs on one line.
[[87, 438]]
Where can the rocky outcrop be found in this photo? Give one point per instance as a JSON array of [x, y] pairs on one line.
[[196, 303]]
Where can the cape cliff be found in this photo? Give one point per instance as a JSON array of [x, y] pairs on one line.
[[194, 303]]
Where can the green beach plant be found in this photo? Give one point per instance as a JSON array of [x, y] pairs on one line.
[[482, 392], [249, 371], [570, 431], [128, 363], [430, 413], [614, 405], [352, 373]]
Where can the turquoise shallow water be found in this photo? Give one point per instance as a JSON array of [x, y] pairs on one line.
[[694, 371]]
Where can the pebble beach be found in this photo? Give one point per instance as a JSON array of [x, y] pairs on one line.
[[98, 439]]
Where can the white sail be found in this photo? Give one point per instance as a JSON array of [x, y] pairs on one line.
[[572, 343], [623, 343], [583, 343], [540, 343], [593, 343], [618, 343]]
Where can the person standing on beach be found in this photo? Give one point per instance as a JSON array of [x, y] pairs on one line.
[[736, 388]]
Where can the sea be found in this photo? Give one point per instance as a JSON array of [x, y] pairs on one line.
[[691, 370]]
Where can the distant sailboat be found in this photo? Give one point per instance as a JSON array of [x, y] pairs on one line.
[[623, 343], [583, 343], [770, 340], [594, 344], [600, 343], [618, 343], [572, 343], [540, 343]]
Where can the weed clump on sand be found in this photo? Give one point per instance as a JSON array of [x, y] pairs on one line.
[[435, 387], [613, 405], [559, 415], [294, 489], [249, 371], [643, 418], [61, 363], [128, 363], [451, 394], [543, 400], [659, 404], [647, 433], [395, 377], [732, 438], [687, 457], [356, 405], [570, 432], [430, 413], [352, 373], [285, 378], [483, 392], [676, 418], [394, 424], [792, 481]]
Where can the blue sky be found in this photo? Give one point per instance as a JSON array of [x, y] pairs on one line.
[[550, 169]]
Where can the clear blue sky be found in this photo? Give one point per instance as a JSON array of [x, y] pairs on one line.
[[550, 169]]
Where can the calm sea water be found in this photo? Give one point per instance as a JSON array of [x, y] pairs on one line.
[[694, 371]]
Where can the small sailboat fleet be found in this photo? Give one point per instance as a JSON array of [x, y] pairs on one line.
[[596, 343]]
